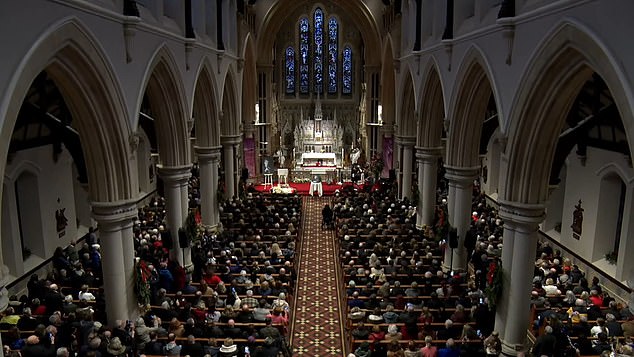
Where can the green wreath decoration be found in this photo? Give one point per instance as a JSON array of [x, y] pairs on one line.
[[495, 283], [142, 285]]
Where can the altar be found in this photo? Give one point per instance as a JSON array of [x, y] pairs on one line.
[[319, 159]]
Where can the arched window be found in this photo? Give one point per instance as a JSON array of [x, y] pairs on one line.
[[290, 70], [333, 32], [318, 56], [319, 50], [304, 39], [347, 70]]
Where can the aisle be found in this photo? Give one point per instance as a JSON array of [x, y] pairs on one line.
[[316, 329]]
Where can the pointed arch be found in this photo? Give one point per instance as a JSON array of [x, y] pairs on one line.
[[229, 121], [163, 87], [613, 169], [79, 67], [388, 84], [406, 122], [468, 111], [432, 108], [205, 110], [555, 75]]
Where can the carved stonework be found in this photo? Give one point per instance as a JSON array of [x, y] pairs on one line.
[[134, 140], [190, 124]]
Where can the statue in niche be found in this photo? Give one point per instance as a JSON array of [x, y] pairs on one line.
[[280, 157], [354, 155], [577, 221]]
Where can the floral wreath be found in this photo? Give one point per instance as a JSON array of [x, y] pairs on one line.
[[143, 275], [495, 283]]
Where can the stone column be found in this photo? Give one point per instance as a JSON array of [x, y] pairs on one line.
[[187, 254], [236, 166], [406, 190], [174, 178], [127, 236], [230, 187], [115, 221], [427, 159], [521, 224], [208, 159], [228, 145], [460, 202]]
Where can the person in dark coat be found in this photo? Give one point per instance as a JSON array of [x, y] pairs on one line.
[[35, 348], [192, 348], [545, 344]]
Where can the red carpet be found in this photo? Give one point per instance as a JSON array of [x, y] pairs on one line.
[[302, 188]]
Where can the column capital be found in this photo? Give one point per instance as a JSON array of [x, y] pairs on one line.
[[113, 216], [428, 153], [174, 173], [230, 139], [405, 140], [461, 175], [517, 214], [208, 154]]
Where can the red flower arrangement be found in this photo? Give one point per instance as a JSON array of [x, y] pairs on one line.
[[495, 280]]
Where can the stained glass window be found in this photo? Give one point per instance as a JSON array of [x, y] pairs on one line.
[[319, 51], [347, 70], [290, 70], [304, 38], [333, 32]]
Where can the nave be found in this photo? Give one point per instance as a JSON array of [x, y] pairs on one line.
[[317, 326]]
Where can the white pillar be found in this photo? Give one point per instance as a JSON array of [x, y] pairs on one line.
[[229, 157], [427, 159], [237, 154], [460, 202], [407, 170], [228, 162], [521, 223], [174, 178], [208, 159], [184, 191], [114, 221], [127, 236]]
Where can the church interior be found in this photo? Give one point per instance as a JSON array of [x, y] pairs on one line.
[[316, 178]]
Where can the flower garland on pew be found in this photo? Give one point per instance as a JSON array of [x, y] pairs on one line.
[[142, 285], [495, 283]]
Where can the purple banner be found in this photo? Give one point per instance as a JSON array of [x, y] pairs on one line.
[[388, 155], [249, 155]]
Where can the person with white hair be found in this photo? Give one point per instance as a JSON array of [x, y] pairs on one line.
[[447, 331], [281, 302], [450, 349], [393, 333]]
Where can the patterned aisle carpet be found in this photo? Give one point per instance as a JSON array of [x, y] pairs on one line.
[[316, 328]]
